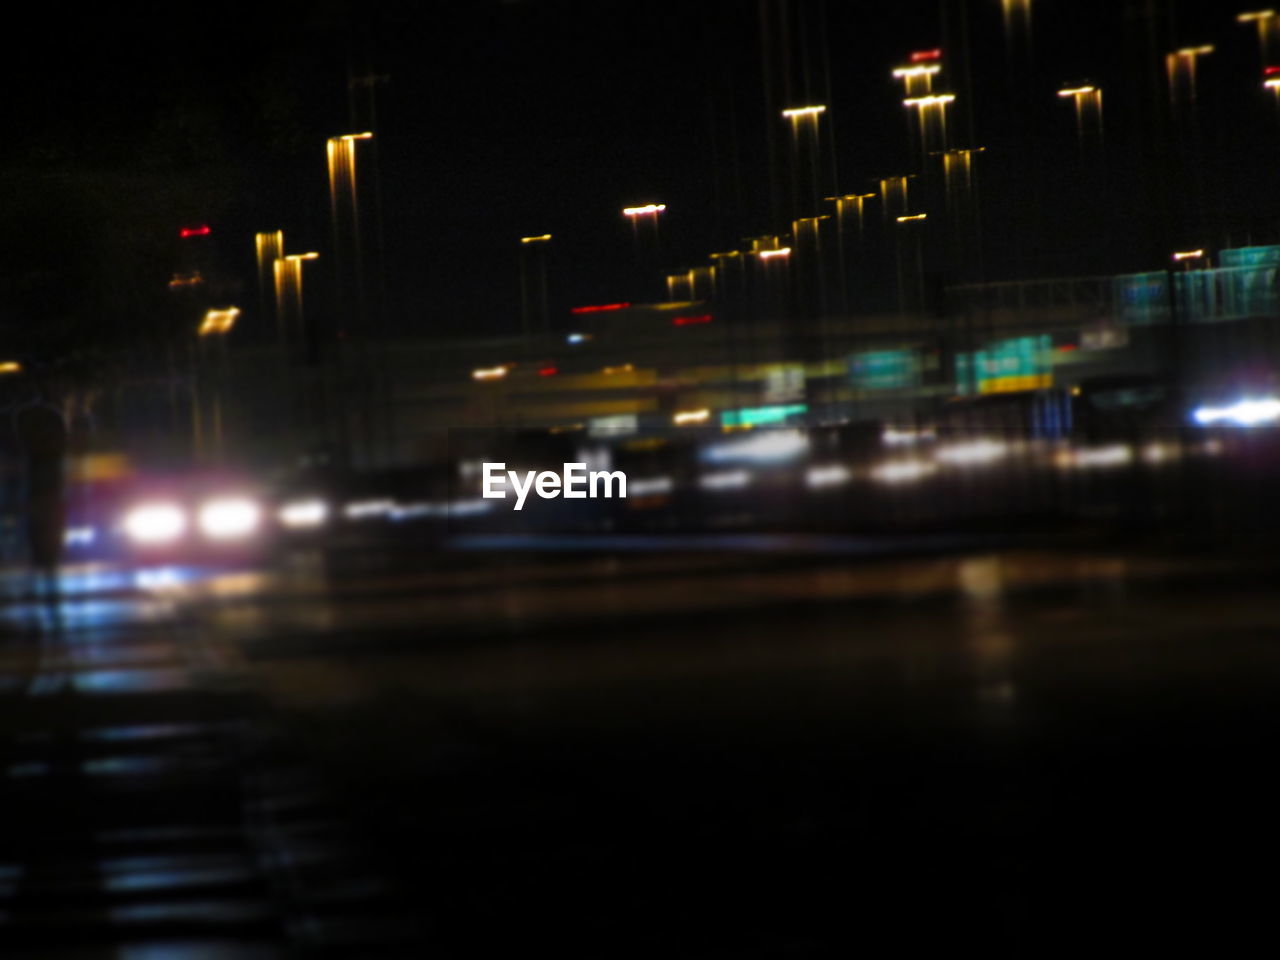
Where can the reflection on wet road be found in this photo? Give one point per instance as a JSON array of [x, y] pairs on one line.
[[151, 809], [681, 753]]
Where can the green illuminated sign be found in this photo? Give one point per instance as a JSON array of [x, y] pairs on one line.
[[760, 416]]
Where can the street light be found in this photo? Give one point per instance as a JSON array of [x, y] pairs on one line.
[[218, 321], [894, 195], [534, 312], [344, 208], [917, 78], [906, 224], [214, 327], [288, 283], [646, 239], [268, 247], [1188, 257], [1181, 68], [1265, 21], [1273, 84], [805, 118], [932, 119], [1087, 100]]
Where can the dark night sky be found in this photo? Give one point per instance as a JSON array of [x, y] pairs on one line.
[[504, 119]]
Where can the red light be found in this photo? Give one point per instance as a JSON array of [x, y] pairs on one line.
[[1067, 346], [921, 56], [200, 231], [600, 308], [1270, 71], [548, 371], [687, 321]]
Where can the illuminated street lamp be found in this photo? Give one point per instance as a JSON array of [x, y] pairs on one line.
[[1087, 100], [856, 201], [344, 208], [909, 226], [535, 314], [289, 304], [268, 247], [1017, 16], [844, 203], [1181, 68], [805, 139], [894, 193], [1266, 23], [1188, 258], [215, 326], [957, 173], [218, 322], [1272, 83], [646, 238], [931, 119], [917, 78]]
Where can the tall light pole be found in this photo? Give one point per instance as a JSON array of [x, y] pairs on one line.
[[535, 315], [1017, 20], [289, 304], [910, 255], [1087, 100], [964, 221], [931, 118], [917, 78], [1266, 23], [806, 178], [844, 203], [773, 266], [647, 242], [730, 284], [894, 196], [213, 330], [344, 207], [1180, 65], [268, 248]]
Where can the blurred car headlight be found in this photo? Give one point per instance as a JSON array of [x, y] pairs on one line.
[[301, 514], [229, 518], [151, 523]]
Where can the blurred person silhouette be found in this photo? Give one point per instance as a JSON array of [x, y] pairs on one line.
[[40, 431]]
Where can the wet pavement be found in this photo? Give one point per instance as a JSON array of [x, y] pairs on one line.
[[782, 752], [153, 809]]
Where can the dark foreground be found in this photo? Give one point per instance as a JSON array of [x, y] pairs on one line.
[[691, 754]]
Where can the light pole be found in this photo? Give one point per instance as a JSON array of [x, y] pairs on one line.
[[964, 220], [1273, 84], [268, 248], [1266, 22], [856, 201], [1017, 19], [773, 265], [917, 78], [729, 280], [215, 326], [1180, 65], [1087, 99], [805, 139], [344, 208], [534, 312], [647, 243], [289, 304], [909, 226], [931, 118], [894, 196]]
